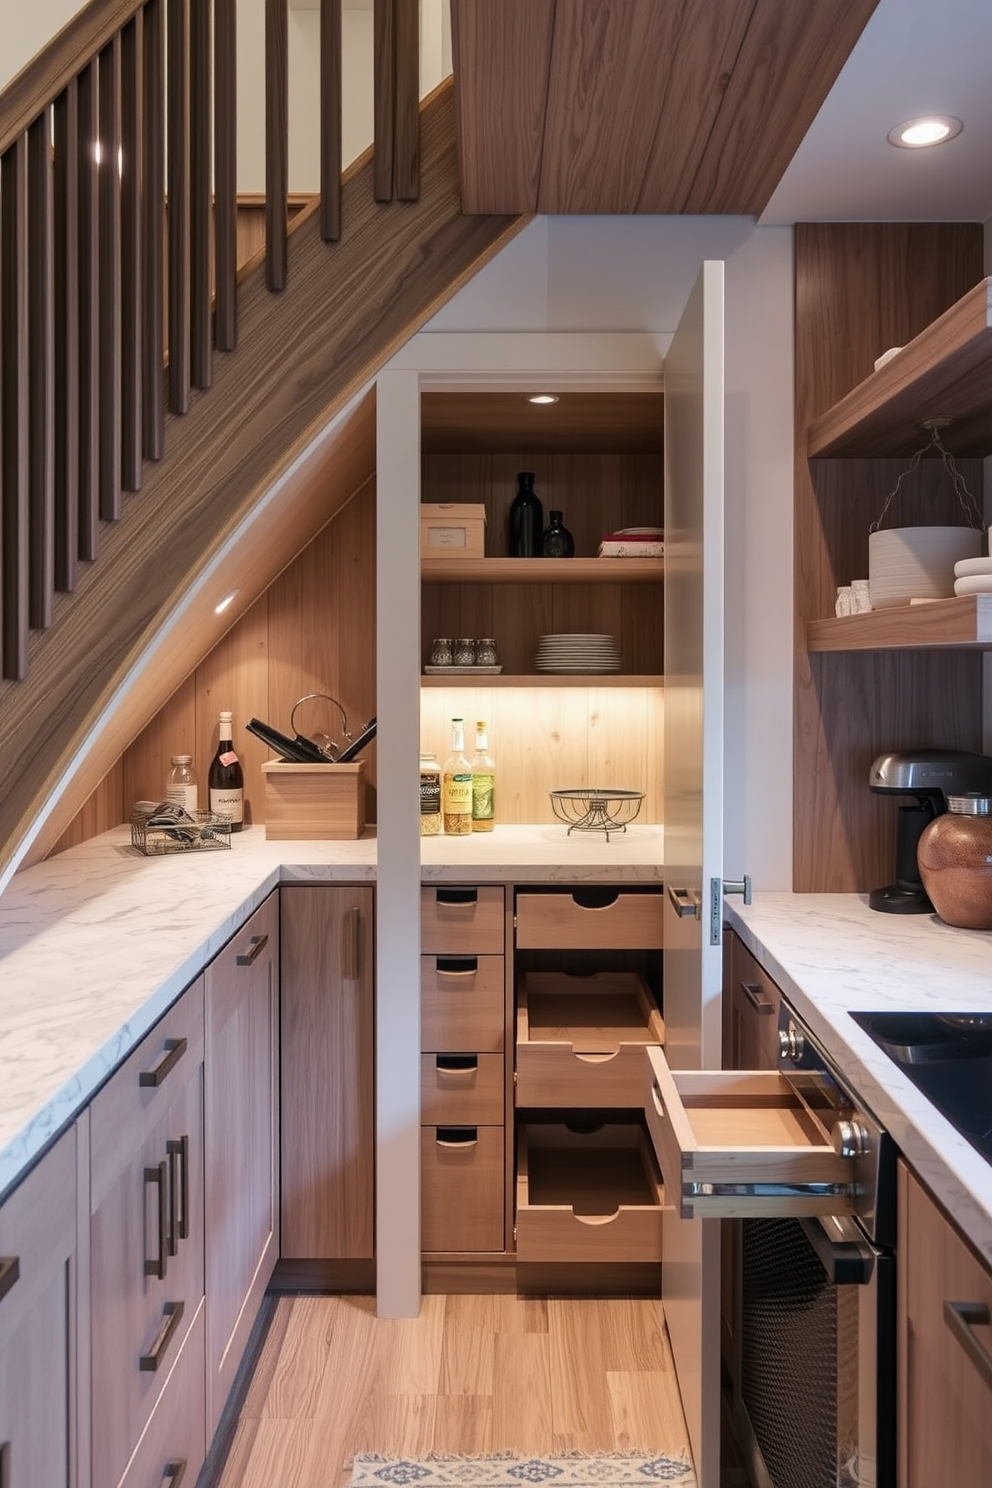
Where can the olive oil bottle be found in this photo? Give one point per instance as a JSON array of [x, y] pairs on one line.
[[483, 782], [456, 785]]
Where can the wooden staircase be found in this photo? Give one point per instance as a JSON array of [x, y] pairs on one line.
[[127, 630]]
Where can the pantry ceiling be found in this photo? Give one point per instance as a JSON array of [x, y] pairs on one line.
[[640, 106], [470, 422]]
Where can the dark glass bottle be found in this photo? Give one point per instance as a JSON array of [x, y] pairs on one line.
[[526, 519], [558, 542], [226, 779]]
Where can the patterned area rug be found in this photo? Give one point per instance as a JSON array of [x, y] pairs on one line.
[[623, 1470]]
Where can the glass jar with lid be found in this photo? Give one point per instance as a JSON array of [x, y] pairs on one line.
[[181, 783], [430, 795]]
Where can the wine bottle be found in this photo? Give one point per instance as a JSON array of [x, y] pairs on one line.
[[526, 519], [226, 779], [483, 782], [456, 785]]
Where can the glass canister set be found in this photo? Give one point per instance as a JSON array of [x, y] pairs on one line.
[[459, 797], [466, 652]]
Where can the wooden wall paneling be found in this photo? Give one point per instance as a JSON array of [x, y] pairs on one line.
[[132, 255], [109, 106], [66, 339], [654, 806], [384, 97], [642, 629], [276, 140], [351, 572], [596, 610], [406, 149], [89, 316], [178, 173], [153, 234], [861, 288], [331, 116], [235, 675], [201, 195], [226, 173], [617, 724], [105, 808], [41, 374], [171, 731], [502, 51], [521, 613], [14, 415]]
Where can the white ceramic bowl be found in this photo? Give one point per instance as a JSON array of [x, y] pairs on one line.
[[907, 563], [966, 568]]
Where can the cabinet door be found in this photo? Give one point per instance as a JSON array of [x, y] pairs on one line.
[[37, 1294], [241, 1159], [944, 1376], [327, 990]]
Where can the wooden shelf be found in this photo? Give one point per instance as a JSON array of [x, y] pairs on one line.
[[543, 570], [945, 372], [963, 621], [548, 679]]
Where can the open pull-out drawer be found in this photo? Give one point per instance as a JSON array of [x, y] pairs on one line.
[[580, 1039], [741, 1144], [587, 1196]]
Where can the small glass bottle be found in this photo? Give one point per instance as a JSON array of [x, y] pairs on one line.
[[226, 779], [430, 795], [483, 782], [456, 785], [526, 519], [181, 784], [557, 542]]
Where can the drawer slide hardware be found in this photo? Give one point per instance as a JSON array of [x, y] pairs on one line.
[[692, 1190]]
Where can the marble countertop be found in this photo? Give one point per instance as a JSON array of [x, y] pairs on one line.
[[832, 955]]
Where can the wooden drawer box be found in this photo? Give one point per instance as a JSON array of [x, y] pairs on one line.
[[580, 1039], [461, 1004], [461, 1180], [456, 921], [175, 1437], [461, 1089], [562, 921], [587, 1196]]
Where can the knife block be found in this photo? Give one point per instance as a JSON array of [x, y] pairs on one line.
[[314, 801]]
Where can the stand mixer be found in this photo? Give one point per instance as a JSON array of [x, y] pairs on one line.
[[931, 775]]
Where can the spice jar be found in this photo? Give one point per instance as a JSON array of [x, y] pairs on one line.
[[955, 861], [486, 653], [430, 796], [464, 652], [441, 652]]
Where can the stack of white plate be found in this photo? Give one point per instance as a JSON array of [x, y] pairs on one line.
[[973, 576], [577, 653]]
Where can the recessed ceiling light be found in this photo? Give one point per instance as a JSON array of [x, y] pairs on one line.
[[543, 398], [227, 600], [930, 129]]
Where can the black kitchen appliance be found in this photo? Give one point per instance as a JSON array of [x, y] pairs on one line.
[[930, 775]]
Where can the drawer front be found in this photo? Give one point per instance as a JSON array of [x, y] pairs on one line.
[[457, 921], [461, 1089], [461, 1177], [461, 1004], [755, 1001], [561, 922], [558, 1076], [740, 1145], [38, 1229], [174, 1443], [581, 1039], [587, 1196]]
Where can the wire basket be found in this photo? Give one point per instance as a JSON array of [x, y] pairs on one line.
[[596, 810], [170, 829]]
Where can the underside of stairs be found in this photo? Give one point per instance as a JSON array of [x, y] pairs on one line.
[[303, 355]]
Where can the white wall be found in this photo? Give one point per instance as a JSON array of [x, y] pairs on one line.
[[25, 27], [634, 274]]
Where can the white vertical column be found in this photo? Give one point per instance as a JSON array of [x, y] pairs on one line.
[[398, 831]]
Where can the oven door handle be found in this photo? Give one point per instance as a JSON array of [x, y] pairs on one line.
[[848, 1261]]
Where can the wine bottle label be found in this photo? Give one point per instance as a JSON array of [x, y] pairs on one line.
[[228, 757], [482, 797], [228, 802]]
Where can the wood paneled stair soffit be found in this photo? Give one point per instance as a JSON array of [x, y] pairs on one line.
[[630, 106], [152, 393]]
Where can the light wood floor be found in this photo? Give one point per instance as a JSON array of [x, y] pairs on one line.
[[471, 1374]]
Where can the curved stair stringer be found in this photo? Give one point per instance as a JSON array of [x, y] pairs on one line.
[[302, 357]]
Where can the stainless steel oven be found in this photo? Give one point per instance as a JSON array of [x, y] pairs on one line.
[[816, 1402]]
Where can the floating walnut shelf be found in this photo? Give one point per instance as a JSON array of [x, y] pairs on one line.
[[543, 570], [963, 621]]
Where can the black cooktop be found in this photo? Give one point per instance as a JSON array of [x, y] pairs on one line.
[[948, 1056]]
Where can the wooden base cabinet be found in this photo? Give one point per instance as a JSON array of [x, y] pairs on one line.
[[944, 1349], [37, 1295], [241, 1161], [327, 1072]]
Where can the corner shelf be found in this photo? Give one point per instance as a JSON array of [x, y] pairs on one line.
[[544, 679], [542, 570], [963, 621], [944, 372]]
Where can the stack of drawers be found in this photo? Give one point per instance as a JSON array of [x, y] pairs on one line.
[[463, 1081]]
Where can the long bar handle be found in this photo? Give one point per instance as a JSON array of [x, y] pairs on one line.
[[355, 942], [962, 1318], [178, 1150], [757, 998], [683, 903], [257, 944], [174, 1472], [160, 1265], [174, 1051], [10, 1270], [172, 1314]]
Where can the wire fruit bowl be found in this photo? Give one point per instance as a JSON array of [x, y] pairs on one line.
[[596, 810]]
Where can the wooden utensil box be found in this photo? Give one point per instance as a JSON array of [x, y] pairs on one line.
[[314, 801]]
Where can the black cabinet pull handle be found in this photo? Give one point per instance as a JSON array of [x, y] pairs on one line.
[[160, 1177], [457, 896], [178, 1150], [174, 1472], [257, 945], [962, 1318], [756, 997], [174, 1051], [172, 1314], [10, 1270]]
